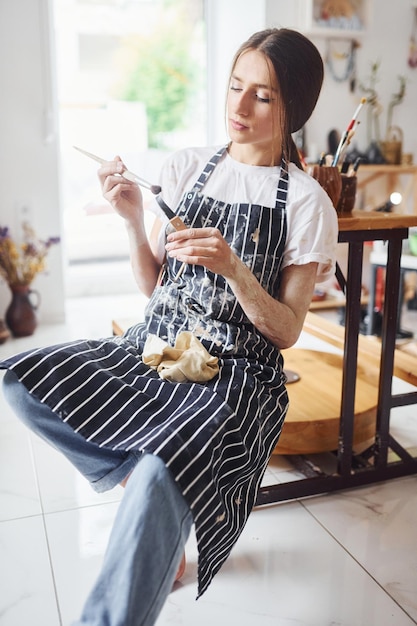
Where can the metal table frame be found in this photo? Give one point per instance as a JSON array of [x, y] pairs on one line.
[[372, 465], [378, 261]]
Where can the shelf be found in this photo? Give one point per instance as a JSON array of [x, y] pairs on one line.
[[377, 182], [389, 169], [332, 302]]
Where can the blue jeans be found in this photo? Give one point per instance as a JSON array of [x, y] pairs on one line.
[[151, 527]]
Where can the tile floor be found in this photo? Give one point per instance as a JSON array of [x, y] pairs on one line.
[[348, 559]]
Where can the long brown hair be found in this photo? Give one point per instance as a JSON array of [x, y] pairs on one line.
[[299, 71]]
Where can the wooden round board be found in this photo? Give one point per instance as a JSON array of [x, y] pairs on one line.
[[313, 420]]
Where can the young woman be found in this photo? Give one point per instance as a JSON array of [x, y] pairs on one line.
[[259, 233]]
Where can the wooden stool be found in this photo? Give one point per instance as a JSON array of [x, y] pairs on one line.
[[313, 420]]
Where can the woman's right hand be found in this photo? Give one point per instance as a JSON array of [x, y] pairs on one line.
[[126, 199], [124, 195]]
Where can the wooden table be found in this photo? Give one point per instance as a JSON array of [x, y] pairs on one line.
[[371, 465]]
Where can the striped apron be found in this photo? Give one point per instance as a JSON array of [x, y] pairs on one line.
[[216, 438]]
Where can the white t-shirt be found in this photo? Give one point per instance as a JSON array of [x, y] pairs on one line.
[[311, 217]]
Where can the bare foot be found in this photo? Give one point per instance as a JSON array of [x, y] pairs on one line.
[[124, 481], [181, 568]]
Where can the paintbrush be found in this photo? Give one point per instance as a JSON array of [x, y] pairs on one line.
[[174, 220], [348, 140], [347, 135], [134, 178], [354, 168], [176, 223]]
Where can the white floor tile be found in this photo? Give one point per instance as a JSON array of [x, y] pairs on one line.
[[285, 570], [61, 487], [77, 541], [27, 594], [18, 488], [378, 526]]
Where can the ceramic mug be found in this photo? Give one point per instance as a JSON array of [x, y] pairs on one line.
[[330, 179]]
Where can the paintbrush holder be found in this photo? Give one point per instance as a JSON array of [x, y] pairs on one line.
[[347, 195], [330, 179]]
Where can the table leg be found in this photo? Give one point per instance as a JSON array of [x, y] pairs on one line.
[[370, 327], [388, 337], [350, 357]]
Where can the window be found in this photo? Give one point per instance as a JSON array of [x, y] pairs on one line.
[[131, 81]]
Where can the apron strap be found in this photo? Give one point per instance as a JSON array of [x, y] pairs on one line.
[[282, 188], [208, 170]]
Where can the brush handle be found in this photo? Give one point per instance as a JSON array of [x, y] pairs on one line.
[[347, 131], [134, 178], [339, 148], [175, 223]]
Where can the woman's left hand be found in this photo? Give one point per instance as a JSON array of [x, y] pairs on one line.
[[203, 246], [281, 320]]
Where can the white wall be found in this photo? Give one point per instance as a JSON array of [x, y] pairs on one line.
[[386, 40], [229, 23], [28, 154]]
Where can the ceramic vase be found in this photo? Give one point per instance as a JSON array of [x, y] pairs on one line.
[[21, 317]]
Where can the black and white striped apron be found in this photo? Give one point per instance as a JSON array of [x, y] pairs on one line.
[[216, 438]]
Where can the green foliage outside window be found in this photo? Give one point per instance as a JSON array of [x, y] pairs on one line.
[[162, 75]]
